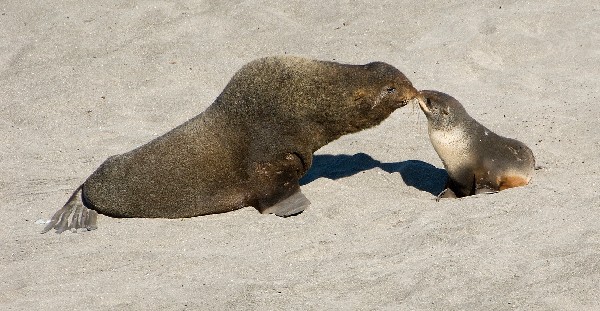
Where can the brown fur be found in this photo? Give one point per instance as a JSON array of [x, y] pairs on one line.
[[507, 182], [476, 159], [251, 146]]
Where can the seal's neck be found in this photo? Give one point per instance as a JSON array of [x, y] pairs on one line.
[[451, 145]]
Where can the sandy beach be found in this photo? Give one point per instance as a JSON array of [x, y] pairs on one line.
[[81, 81]]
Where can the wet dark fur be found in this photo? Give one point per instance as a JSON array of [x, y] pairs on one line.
[[251, 146]]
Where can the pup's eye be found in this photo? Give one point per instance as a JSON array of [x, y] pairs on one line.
[[390, 90]]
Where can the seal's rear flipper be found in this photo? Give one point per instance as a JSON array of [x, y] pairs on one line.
[[290, 206], [73, 215]]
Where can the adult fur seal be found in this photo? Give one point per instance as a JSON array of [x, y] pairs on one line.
[[476, 159], [249, 148]]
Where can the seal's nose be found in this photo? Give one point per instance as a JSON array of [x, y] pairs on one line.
[[412, 101], [422, 101]]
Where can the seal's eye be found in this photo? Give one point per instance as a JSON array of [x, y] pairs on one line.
[[391, 90]]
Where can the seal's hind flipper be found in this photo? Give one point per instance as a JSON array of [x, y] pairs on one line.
[[511, 181], [73, 215], [290, 206]]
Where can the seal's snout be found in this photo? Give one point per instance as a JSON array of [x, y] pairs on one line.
[[410, 95], [423, 102], [404, 102]]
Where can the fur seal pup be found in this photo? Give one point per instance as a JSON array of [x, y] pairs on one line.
[[249, 148], [476, 159]]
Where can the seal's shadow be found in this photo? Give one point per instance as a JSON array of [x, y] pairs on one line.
[[415, 173]]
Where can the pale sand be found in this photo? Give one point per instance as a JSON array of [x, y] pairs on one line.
[[82, 81]]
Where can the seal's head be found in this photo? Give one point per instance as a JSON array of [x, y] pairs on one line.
[[378, 90], [442, 110], [394, 88]]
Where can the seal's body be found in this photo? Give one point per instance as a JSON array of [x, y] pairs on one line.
[[249, 148], [476, 159]]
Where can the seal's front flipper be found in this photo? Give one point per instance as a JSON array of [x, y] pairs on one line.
[[73, 215], [446, 194], [290, 206], [276, 184]]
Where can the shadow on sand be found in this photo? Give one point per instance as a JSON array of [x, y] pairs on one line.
[[415, 173]]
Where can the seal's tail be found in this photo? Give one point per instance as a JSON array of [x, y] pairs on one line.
[[73, 215]]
